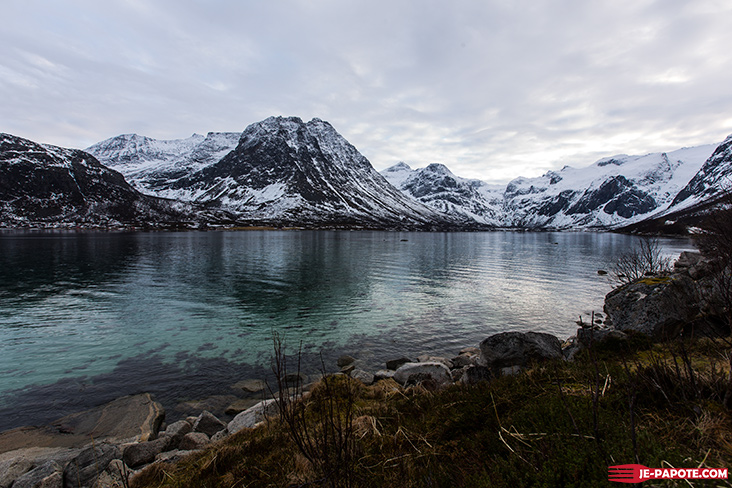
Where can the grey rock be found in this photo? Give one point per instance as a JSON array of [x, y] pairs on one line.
[[656, 306], [474, 373], [345, 360], [348, 369], [84, 469], [457, 374], [470, 350], [12, 469], [508, 349], [363, 376], [599, 335], [438, 372], [394, 364], [141, 453], [54, 480], [117, 475], [34, 478], [463, 360], [426, 358], [174, 456], [383, 374], [194, 440], [252, 416], [222, 434], [208, 424], [175, 433]]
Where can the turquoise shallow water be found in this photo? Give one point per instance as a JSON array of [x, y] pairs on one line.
[[89, 316]]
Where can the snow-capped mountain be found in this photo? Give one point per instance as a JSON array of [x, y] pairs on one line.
[[714, 178], [437, 187], [48, 184], [282, 171], [152, 165], [612, 192]]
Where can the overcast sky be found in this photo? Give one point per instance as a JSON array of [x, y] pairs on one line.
[[493, 89]]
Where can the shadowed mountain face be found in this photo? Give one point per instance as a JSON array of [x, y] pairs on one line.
[[41, 183], [714, 177]]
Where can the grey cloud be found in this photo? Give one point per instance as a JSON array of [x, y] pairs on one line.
[[492, 89]]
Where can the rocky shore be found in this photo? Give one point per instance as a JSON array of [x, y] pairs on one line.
[[108, 445]]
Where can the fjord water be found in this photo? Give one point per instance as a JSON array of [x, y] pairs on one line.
[[87, 317]]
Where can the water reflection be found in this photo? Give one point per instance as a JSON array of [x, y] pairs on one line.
[[85, 304]]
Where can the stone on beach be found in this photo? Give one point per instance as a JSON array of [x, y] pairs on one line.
[[509, 349], [438, 372]]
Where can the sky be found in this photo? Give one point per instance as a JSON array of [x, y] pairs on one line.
[[494, 89]]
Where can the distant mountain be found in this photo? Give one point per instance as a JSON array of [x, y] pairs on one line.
[[48, 184], [612, 192], [286, 172], [282, 171], [152, 166], [437, 187]]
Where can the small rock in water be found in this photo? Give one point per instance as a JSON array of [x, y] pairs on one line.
[[601, 272], [345, 360], [348, 369], [250, 386]]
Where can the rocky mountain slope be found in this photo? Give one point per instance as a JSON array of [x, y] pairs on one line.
[[714, 178], [283, 171], [48, 184]]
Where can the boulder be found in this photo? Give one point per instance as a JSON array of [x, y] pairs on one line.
[[252, 416], [117, 475], [426, 358], [437, 372], [83, 470], [193, 441], [658, 307], [136, 417], [141, 453], [222, 434], [470, 350], [12, 469], [599, 335], [175, 432], [36, 477], [508, 349], [172, 456], [208, 424], [394, 364], [363, 376]]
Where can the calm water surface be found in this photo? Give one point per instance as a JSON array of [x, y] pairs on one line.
[[87, 317]]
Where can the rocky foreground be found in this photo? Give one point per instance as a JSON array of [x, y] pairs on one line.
[[107, 446]]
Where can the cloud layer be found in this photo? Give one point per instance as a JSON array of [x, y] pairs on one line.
[[493, 89]]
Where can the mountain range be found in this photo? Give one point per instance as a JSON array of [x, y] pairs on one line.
[[283, 171]]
